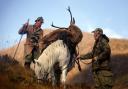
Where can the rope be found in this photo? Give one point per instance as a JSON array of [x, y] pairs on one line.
[[76, 60]]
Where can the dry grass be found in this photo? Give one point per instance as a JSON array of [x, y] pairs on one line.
[[14, 76], [119, 65]]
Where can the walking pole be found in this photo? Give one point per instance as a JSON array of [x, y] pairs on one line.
[[19, 42], [17, 46]]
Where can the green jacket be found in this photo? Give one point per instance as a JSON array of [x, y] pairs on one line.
[[34, 35], [102, 52]]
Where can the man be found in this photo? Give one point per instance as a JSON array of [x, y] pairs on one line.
[[100, 56], [34, 35]]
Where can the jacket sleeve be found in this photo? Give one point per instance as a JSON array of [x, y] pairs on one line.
[[86, 56], [105, 51], [41, 33], [23, 30]]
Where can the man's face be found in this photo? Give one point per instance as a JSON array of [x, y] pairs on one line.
[[96, 35], [38, 24]]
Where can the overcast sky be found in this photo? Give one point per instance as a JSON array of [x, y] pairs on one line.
[[111, 15]]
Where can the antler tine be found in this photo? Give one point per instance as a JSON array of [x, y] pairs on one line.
[[58, 27], [55, 26], [68, 8], [52, 24], [70, 13], [73, 21]]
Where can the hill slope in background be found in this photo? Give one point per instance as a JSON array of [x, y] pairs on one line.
[[119, 49]]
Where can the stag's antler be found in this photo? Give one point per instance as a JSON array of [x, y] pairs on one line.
[[72, 19], [70, 14], [58, 27]]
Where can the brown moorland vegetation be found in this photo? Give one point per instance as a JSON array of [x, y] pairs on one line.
[[10, 74]]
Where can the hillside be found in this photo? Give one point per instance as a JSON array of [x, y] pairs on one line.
[[119, 49]]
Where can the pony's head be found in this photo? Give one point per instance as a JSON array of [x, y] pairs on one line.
[[40, 71]]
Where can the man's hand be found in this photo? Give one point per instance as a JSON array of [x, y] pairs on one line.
[[27, 23], [85, 61], [78, 57], [95, 58], [89, 61]]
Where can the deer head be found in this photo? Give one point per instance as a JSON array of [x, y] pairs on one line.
[[75, 30]]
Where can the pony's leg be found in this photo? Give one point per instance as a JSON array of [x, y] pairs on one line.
[[57, 73], [64, 76], [53, 77]]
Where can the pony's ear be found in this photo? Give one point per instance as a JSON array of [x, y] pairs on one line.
[[34, 61], [37, 62]]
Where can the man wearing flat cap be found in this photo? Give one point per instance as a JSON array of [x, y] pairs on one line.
[[100, 56], [34, 34]]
